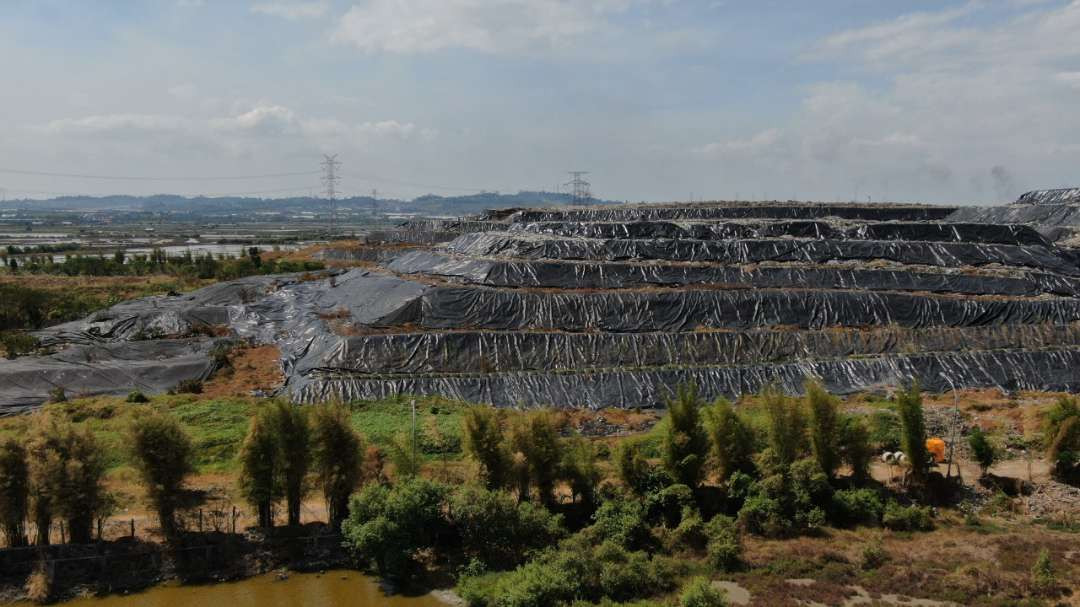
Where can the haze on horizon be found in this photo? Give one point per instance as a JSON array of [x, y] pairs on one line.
[[968, 101]]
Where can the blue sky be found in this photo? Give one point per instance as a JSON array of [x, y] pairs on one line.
[[970, 101]]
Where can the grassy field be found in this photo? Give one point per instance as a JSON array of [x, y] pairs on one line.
[[218, 425]]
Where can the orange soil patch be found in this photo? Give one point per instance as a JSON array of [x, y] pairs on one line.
[[252, 369]]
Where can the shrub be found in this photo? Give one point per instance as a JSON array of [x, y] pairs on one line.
[[732, 440], [1062, 438], [484, 445], [404, 452], [497, 530], [913, 432], [788, 503], [337, 458], [162, 453], [684, 445], [188, 386], [17, 343], [668, 504], [14, 492], [387, 526], [699, 592], [724, 547], [136, 397], [982, 449], [57, 395], [622, 521], [1043, 579], [873, 555], [885, 430], [857, 507], [907, 518]]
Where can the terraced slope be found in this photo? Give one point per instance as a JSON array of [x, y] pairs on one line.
[[615, 306]]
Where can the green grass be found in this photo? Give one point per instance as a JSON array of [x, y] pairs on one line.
[[217, 426]]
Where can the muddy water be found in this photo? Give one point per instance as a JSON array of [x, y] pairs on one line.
[[332, 589]]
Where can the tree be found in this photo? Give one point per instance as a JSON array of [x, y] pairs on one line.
[[259, 481], [499, 530], [982, 449], [732, 439], [855, 448], [337, 451], [14, 492], [484, 445], [389, 525], [292, 433], [824, 427], [913, 432], [786, 427], [684, 445], [633, 469], [1062, 437], [536, 437], [162, 453], [67, 470], [579, 469]]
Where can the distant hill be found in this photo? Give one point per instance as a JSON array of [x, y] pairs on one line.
[[168, 203]]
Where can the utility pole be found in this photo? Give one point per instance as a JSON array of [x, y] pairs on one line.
[[579, 188], [330, 179]]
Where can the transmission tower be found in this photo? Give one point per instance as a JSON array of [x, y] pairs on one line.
[[579, 188], [330, 179]]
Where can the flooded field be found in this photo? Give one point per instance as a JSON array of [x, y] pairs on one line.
[[331, 589]]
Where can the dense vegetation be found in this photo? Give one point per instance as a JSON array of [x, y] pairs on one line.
[[534, 514]]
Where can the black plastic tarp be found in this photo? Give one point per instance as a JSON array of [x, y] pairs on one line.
[[616, 275], [652, 212]]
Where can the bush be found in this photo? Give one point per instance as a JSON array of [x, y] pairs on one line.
[[497, 530], [57, 395], [17, 343], [1062, 438], [907, 518], [633, 469], [387, 526], [855, 447], [622, 521], [873, 555], [699, 592], [668, 504], [982, 449], [136, 397], [788, 503], [188, 386], [724, 548], [1043, 579], [857, 507]]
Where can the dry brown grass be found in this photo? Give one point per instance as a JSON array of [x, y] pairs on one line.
[[252, 369]]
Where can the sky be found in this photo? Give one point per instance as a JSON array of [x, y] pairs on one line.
[[969, 102]]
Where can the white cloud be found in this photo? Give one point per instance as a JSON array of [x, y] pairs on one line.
[[114, 124], [291, 10], [759, 142], [418, 26], [1069, 79]]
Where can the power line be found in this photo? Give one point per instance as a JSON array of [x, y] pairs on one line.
[[157, 178]]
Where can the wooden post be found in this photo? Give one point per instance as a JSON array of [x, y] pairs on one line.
[[132, 527], [63, 540], [200, 520], [234, 519]]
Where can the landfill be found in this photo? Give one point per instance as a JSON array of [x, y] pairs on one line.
[[616, 306]]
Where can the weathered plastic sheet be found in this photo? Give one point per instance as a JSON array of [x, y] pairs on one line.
[[1056, 370], [618, 275], [103, 368], [1042, 216], [473, 351], [828, 230], [671, 310], [1058, 196], [941, 254], [794, 210]]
